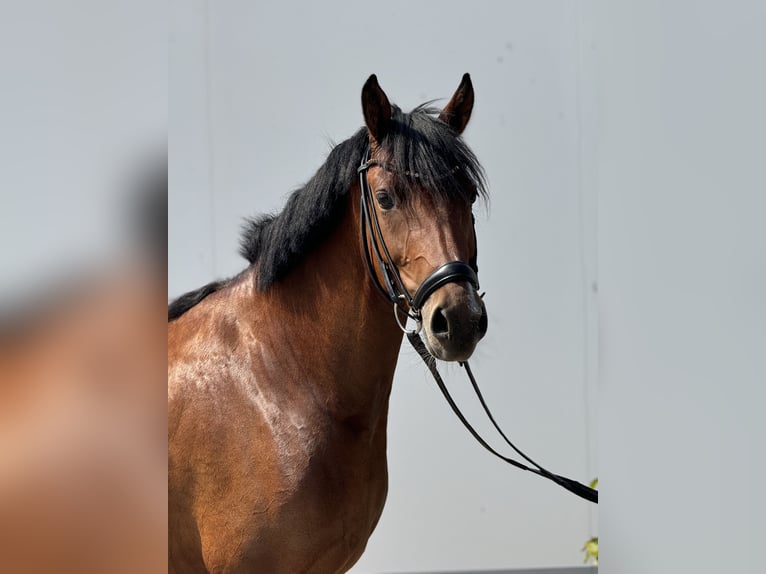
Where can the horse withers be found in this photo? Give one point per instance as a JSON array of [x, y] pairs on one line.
[[279, 378]]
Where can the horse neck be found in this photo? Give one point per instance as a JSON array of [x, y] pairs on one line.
[[337, 326]]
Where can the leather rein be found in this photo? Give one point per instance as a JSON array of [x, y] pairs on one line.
[[396, 292]]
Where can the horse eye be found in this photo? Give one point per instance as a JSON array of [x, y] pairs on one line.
[[385, 200]]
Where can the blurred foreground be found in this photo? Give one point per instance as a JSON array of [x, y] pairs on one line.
[[83, 422], [83, 218]]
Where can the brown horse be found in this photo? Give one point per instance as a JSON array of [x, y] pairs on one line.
[[279, 379]]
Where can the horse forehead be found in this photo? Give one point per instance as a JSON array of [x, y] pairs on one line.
[[439, 209], [438, 230]]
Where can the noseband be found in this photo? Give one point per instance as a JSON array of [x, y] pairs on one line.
[[393, 287]]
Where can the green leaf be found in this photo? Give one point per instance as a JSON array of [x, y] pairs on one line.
[[591, 550], [591, 546]]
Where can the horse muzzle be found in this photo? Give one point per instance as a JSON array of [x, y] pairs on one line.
[[454, 321]]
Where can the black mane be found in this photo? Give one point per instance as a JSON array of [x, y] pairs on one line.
[[415, 143], [276, 243], [188, 300]]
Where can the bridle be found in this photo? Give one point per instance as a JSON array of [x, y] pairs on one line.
[[393, 287], [396, 292]]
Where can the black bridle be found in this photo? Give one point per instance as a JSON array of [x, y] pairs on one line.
[[393, 287], [396, 292]]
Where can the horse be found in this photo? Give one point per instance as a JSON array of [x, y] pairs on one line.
[[279, 378]]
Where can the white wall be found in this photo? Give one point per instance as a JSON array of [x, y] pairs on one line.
[[257, 89], [77, 124], [682, 253]]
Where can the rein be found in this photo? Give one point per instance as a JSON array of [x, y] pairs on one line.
[[572, 486], [395, 291]]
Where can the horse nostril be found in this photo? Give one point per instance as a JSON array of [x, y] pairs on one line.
[[439, 323]]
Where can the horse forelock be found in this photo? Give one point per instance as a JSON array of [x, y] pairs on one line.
[[427, 154]]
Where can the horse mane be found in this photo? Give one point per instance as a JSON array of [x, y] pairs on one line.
[[415, 143], [277, 242], [188, 300]]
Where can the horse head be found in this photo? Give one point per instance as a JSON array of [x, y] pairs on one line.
[[419, 183]]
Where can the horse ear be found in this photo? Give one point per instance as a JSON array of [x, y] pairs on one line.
[[376, 108], [458, 111]]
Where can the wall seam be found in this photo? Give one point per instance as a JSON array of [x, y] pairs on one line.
[[210, 141]]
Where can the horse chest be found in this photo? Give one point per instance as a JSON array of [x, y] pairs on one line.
[[324, 509], [290, 494]]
